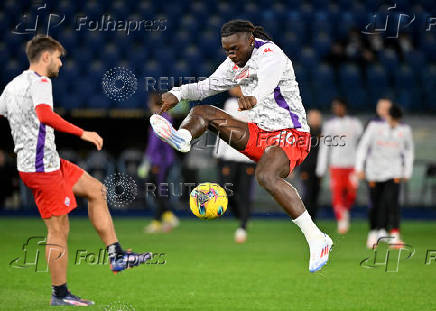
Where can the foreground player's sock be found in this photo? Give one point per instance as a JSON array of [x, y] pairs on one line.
[[179, 140], [114, 250], [320, 243], [59, 291], [309, 229]]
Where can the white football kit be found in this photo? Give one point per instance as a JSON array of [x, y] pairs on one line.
[[338, 144], [34, 142], [387, 152], [269, 76]]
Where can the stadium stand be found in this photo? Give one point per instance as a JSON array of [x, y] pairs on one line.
[[306, 31]]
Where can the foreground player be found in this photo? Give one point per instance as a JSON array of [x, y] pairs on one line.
[[27, 103], [279, 138], [338, 152], [387, 150]]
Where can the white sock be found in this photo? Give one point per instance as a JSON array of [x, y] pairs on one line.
[[186, 135], [309, 229]]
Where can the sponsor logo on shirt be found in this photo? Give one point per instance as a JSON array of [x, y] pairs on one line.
[[67, 201], [243, 74]]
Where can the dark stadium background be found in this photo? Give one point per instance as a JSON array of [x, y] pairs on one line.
[[333, 50]]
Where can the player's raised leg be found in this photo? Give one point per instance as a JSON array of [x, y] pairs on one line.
[[270, 172], [200, 119], [99, 215]]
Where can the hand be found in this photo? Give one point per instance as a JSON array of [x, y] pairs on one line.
[[246, 102], [94, 138], [168, 101], [360, 175]]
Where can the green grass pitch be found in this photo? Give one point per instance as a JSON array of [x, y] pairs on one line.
[[206, 270]]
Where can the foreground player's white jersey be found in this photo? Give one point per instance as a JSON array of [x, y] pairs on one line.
[[338, 144], [388, 152], [269, 76], [34, 141]]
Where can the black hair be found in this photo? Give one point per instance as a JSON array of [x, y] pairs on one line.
[[342, 101], [240, 25], [396, 112]]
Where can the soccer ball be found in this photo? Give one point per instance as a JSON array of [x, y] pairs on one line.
[[208, 201]]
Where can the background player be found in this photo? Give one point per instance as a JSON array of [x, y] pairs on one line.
[[340, 136], [387, 150], [160, 157], [311, 182], [278, 139], [27, 103], [236, 169]]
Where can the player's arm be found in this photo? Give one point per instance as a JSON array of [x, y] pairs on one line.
[[43, 103], [219, 81], [271, 65], [408, 153], [362, 151], [323, 154]]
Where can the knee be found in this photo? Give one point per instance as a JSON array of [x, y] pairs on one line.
[[265, 179], [203, 111], [96, 190], [58, 232]]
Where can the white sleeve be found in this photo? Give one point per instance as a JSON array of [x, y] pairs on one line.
[[363, 146], [271, 65], [41, 92], [3, 104], [359, 128], [408, 153], [323, 154], [221, 80]]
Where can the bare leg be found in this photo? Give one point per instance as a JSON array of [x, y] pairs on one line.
[[98, 212], [271, 170], [56, 250], [205, 117]]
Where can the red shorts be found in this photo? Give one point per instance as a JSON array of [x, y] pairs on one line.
[[53, 191], [294, 143]]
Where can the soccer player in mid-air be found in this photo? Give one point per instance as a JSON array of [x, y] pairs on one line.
[[278, 138], [27, 103]]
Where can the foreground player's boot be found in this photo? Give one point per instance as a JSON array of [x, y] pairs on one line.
[[128, 260], [70, 300], [319, 252], [179, 140]]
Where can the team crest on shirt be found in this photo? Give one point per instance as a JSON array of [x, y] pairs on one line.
[[67, 201]]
